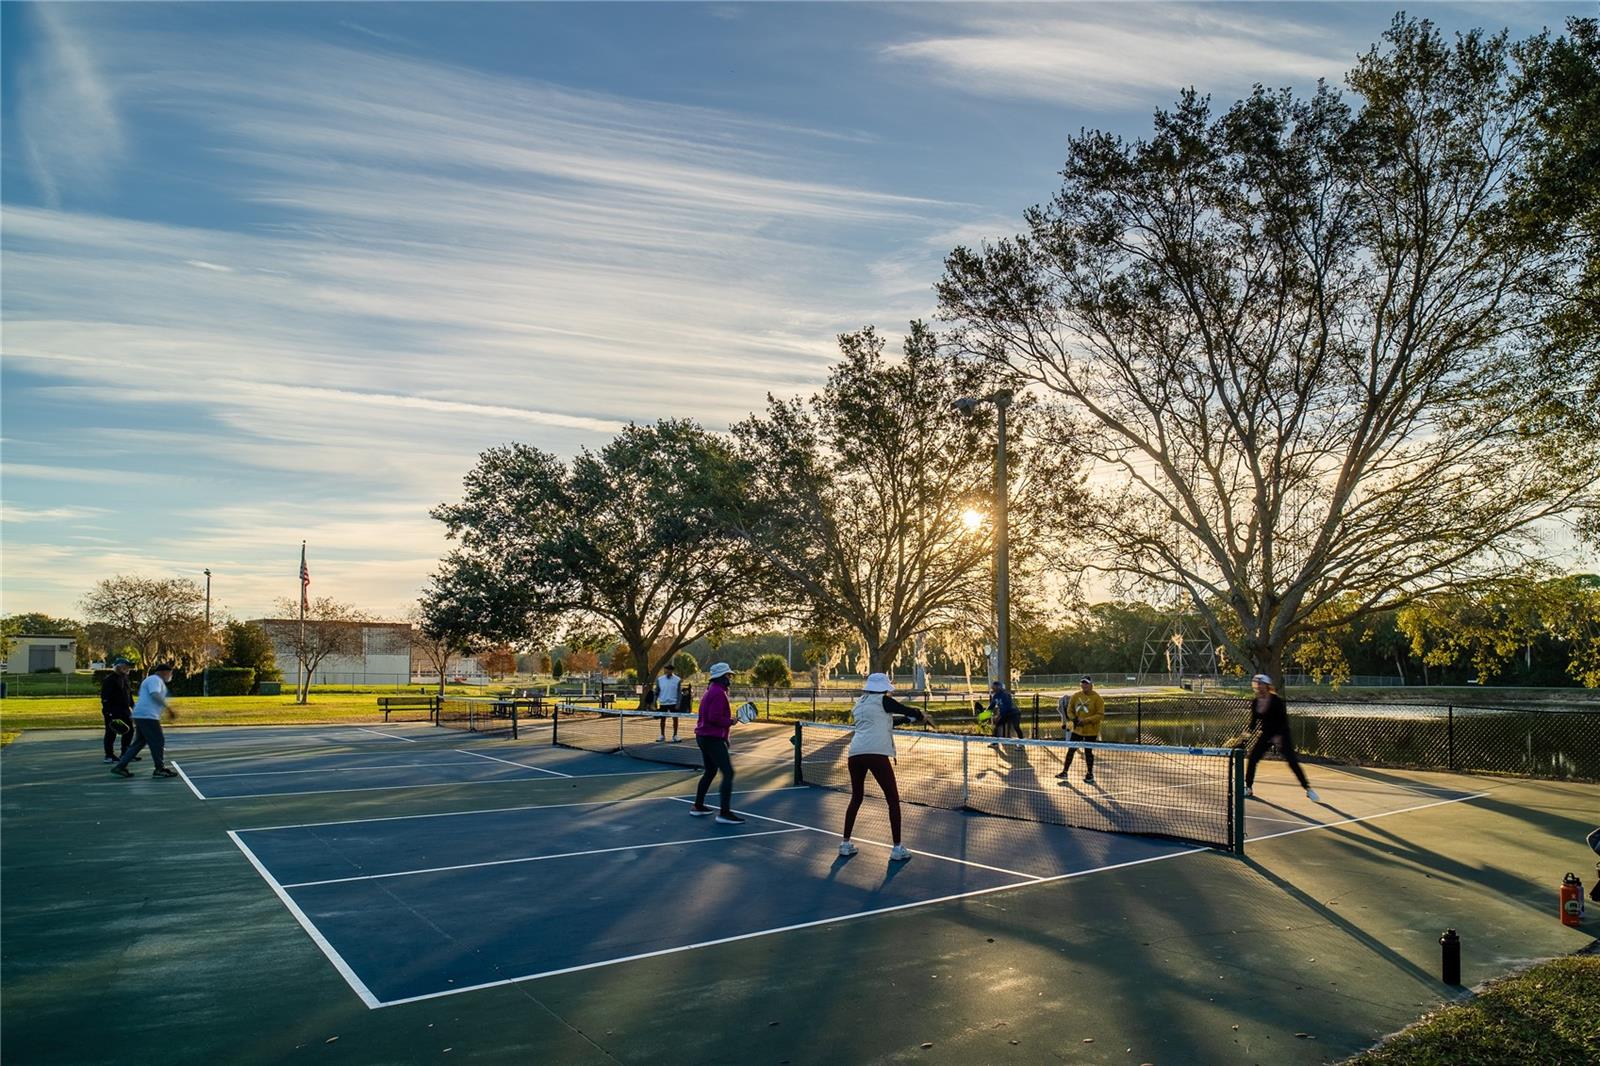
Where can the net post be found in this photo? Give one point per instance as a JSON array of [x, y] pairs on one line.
[[555, 723], [1035, 716], [799, 769], [1450, 736], [1236, 807], [1138, 719], [514, 720]]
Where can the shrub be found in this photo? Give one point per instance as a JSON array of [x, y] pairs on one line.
[[685, 664], [771, 671], [224, 681]]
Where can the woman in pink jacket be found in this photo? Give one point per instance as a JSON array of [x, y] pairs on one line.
[[711, 733]]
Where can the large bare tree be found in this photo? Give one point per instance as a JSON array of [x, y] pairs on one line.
[[330, 628], [1292, 337], [159, 617], [861, 497]]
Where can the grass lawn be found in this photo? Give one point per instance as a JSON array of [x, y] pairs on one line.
[[1547, 1014], [83, 712]]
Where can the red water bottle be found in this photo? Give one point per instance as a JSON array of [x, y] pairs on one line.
[[1571, 900]]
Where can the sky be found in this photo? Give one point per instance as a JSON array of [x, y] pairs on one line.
[[280, 272]]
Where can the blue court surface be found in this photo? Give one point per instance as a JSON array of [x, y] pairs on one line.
[[417, 906]]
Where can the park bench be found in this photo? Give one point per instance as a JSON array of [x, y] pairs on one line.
[[389, 704]]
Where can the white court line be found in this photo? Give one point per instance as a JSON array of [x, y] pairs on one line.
[[381, 733], [334, 769], [1368, 817], [1271, 818], [198, 794], [508, 762], [500, 810], [539, 858], [786, 928], [879, 843], [316, 936], [438, 784]]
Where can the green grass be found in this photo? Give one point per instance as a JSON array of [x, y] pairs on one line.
[[83, 712], [1547, 1014]]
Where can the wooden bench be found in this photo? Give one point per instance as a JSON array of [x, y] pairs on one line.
[[390, 704]]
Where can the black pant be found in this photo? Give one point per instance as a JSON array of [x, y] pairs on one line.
[[714, 753], [1088, 753], [149, 730], [1008, 726], [112, 734], [1259, 748], [882, 771]]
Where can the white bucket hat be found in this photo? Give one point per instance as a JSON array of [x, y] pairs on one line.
[[720, 670], [878, 683]]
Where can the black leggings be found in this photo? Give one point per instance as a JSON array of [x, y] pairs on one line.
[[1009, 726], [714, 753], [883, 773], [149, 734], [1285, 745], [1088, 753], [112, 734]]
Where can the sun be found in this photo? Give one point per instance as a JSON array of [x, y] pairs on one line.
[[971, 519]]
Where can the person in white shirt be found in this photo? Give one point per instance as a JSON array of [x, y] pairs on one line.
[[147, 712], [668, 687], [874, 716]]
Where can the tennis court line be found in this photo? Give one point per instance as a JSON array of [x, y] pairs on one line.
[[381, 733], [343, 968], [500, 810], [443, 784], [540, 858], [334, 770], [787, 928], [508, 762], [197, 793], [881, 844], [1367, 817]]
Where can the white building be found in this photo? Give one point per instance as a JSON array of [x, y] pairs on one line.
[[385, 657], [31, 654]]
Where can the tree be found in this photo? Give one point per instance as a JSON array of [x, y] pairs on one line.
[[582, 662], [160, 617], [860, 497], [245, 644], [330, 628], [632, 540], [685, 665], [1486, 628], [444, 627], [1295, 330], [499, 661], [556, 669], [770, 672]]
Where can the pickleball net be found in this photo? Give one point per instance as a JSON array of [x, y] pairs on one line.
[[1195, 795], [478, 714]]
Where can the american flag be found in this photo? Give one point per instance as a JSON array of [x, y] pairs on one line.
[[305, 579]]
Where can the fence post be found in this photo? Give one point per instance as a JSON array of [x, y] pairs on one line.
[[1138, 719], [1450, 735], [1035, 716]]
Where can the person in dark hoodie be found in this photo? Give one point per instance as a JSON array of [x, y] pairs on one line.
[[1269, 710], [116, 707]]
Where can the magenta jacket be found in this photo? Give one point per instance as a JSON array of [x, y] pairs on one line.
[[715, 714]]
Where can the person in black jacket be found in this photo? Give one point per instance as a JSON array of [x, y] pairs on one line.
[[116, 706], [1271, 712]]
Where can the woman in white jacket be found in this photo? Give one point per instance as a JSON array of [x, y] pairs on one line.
[[874, 716]]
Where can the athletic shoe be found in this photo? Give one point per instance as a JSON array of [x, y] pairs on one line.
[[164, 771], [138, 758], [1247, 792], [1311, 794], [701, 812], [677, 740], [1088, 779], [1062, 776], [122, 771], [111, 758], [899, 853], [847, 849], [661, 739], [729, 818]]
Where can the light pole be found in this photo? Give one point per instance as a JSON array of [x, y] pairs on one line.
[[205, 671], [1002, 533]]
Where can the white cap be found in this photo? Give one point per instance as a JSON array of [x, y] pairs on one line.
[[1263, 678], [720, 670], [878, 683]]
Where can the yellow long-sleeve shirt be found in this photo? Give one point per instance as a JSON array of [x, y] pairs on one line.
[[1084, 711]]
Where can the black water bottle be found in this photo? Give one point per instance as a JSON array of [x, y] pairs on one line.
[[1450, 948]]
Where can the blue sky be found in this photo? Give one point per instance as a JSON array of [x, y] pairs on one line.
[[281, 271]]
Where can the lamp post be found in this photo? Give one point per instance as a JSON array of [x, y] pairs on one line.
[[1002, 532], [205, 671]]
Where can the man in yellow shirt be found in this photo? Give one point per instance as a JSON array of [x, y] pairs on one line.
[[1081, 714]]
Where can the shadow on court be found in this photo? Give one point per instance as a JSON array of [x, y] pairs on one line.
[[132, 924]]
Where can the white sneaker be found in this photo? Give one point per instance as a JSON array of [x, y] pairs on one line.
[[661, 739], [1247, 792], [1311, 794], [847, 849], [899, 853]]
